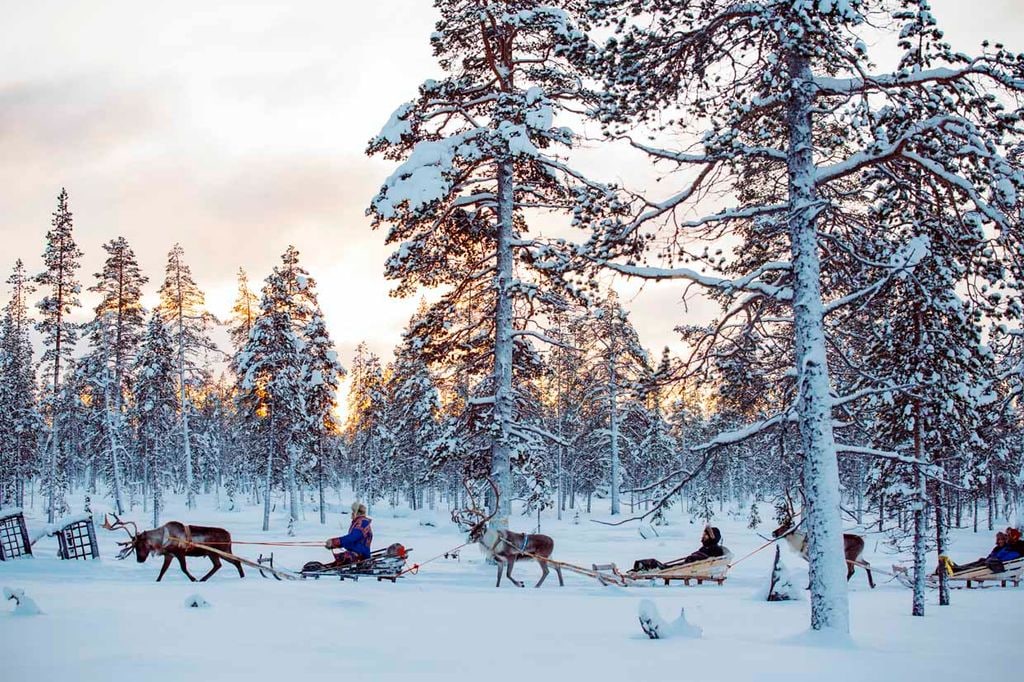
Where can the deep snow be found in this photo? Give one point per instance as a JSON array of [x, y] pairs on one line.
[[109, 620]]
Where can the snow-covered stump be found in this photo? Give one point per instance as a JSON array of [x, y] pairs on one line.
[[14, 541], [781, 586], [655, 627], [23, 604]]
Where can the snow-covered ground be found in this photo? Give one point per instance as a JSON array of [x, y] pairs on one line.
[[108, 620]]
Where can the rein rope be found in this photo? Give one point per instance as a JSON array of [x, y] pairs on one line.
[[415, 568]]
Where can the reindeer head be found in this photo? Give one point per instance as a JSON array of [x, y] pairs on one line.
[[136, 540], [473, 520]]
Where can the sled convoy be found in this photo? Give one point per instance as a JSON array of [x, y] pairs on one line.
[[354, 559]]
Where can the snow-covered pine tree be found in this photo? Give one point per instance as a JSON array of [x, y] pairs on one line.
[[155, 409], [779, 97], [270, 371], [20, 422], [366, 430], [243, 312], [114, 337], [615, 362], [322, 373], [478, 156], [60, 289], [188, 324], [413, 414]]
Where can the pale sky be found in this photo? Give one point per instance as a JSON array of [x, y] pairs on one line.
[[237, 128]]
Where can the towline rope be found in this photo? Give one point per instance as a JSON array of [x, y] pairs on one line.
[[415, 568]]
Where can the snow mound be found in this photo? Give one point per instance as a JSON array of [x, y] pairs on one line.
[[196, 602], [655, 627], [23, 604]]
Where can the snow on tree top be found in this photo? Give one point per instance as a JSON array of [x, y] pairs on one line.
[[398, 125]]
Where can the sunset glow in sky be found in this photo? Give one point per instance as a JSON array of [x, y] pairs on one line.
[[237, 128]]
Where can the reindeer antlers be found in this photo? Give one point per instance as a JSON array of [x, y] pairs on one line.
[[120, 524], [459, 516]]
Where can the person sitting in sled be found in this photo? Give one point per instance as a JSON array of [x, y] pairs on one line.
[[994, 561], [710, 547], [355, 545], [1014, 541]]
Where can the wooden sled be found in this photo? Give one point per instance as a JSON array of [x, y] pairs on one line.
[[711, 570], [1014, 569], [981, 574]]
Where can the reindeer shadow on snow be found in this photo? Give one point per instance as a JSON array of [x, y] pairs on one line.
[[504, 546]]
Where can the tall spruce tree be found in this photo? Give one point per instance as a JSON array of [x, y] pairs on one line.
[[19, 418], [478, 150], [155, 409], [60, 288], [182, 309], [114, 337]]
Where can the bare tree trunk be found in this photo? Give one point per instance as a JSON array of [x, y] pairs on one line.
[[613, 408], [829, 600], [503, 398]]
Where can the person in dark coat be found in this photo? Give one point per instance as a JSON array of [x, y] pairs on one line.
[[356, 543], [710, 546]]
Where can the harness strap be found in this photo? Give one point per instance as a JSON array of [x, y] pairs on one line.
[[526, 539]]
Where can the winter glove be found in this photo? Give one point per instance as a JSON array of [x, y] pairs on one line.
[[333, 543]]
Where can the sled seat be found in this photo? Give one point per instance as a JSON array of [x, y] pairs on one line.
[[713, 570]]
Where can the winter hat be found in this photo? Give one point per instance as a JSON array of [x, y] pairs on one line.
[[1013, 534], [359, 509], [717, 533]]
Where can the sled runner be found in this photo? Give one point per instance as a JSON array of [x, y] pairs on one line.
[[383, 564], [1011, 573], [712, 570]]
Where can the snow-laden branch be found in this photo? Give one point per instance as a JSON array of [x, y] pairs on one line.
[[544, 338], [908, 79], [746, 283]]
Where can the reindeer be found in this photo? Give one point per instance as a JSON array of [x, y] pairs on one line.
[[174, 540], [504, 546], [853, 545]]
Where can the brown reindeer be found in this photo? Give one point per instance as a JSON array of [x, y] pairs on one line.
[[174, 540], [505, 546], [853, 545]]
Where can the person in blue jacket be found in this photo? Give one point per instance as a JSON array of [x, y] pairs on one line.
[[355, 545], [1002, 552]]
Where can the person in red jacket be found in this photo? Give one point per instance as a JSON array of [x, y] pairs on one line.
[[355, 545]]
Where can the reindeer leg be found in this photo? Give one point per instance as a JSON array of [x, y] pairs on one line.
[[558, 572], [238, 565], [867, 569], [167, 562], [216, 567], [512, 562], [181, 560], [543, 573], [499, 562], [849, 571]]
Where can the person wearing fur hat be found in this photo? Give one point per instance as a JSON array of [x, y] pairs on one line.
[[355, 545]]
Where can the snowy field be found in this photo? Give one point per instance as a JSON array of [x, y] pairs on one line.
[[108, 620]]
